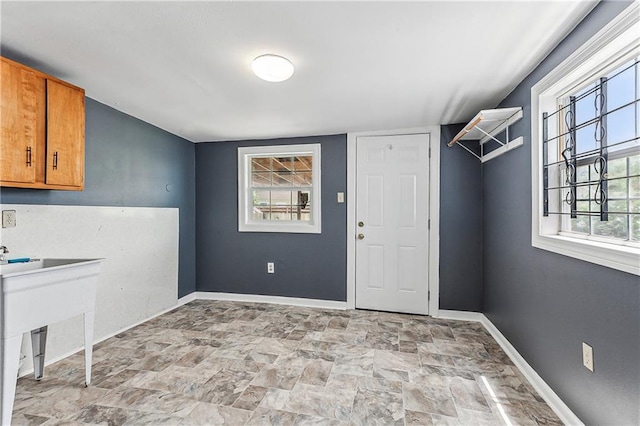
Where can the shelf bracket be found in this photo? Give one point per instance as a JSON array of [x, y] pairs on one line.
[[471, 152], [485, 126], [493, 137]]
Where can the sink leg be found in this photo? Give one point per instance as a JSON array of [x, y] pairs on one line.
[[88, 344], [9, 374], [38, 347]]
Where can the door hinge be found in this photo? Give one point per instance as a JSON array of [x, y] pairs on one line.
[[429, 152], [429, 224], [429, 295]]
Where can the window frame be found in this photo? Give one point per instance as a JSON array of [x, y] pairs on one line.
[[614, 44], [245, 197]]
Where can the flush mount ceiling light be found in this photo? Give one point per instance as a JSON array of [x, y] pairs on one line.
[[272, 68]]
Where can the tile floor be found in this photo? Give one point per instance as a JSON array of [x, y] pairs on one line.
[[234, 363]]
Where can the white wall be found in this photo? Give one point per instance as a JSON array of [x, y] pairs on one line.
[[139, 275]]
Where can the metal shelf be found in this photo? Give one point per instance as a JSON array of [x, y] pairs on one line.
[[485, 126]]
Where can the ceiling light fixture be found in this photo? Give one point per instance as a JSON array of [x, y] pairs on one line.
[[272, 68]]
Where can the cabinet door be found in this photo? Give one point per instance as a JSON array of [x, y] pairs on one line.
[[65, 135], [18, 122]]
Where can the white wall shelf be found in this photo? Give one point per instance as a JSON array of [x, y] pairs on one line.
[[485, 126]]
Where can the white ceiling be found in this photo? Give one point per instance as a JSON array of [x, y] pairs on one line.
[[360, 66]]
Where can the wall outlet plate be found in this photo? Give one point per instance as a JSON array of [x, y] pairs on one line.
[[8, 218], [587, 356], [271, 268]]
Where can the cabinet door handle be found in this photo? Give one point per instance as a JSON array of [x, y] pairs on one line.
[[55, 160], [28, 156]]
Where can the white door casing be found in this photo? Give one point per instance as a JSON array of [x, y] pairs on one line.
[[392, 213]]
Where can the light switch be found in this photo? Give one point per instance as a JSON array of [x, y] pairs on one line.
[[341, 197]]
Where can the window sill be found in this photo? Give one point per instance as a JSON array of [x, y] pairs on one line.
[[622, 258], [288, 228]]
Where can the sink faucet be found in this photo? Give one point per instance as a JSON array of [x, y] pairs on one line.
[[3, 251]]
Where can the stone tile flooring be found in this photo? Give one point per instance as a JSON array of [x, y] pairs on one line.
[[212, 362]]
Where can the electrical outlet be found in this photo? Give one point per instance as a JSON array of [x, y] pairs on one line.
[[340, 197], [587, 356], [271, 268], [8, 218]]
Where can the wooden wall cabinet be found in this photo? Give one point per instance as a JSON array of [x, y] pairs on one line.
[[43, 130]]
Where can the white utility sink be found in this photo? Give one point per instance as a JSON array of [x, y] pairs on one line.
[[7, 268], [35, 294]]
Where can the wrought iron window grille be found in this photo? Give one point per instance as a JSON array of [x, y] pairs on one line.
[[566, 159]]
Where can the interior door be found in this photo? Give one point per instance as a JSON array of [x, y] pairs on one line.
[[392, 213]]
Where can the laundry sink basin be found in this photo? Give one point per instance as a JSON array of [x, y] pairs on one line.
[[11, 268], [7, 268], [33, 295]]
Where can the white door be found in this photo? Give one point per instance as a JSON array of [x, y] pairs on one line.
[[392, 213]]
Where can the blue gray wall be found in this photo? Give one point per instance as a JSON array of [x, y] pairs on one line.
[[547, 304], [460, 226], [134, 164], [307, 265]]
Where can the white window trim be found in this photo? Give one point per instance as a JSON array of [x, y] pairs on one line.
[[620, 32], [245, 199]]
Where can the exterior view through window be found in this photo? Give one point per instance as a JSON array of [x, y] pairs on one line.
[[281, 188], [600, 157]]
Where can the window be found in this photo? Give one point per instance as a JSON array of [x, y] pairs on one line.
[[586, 154], [279, 188], [598, 137]]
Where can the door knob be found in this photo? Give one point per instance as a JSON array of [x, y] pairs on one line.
[[361, 236], [361, 224]]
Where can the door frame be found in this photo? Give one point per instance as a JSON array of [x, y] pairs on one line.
[[434, 211]]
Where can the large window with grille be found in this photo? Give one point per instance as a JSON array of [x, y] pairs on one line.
[[279, 188], [585, 117], [597, 136]]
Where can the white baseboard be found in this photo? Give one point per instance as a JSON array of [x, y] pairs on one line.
[[277, 300], [460, 315], [551, 398], [186, 299]]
